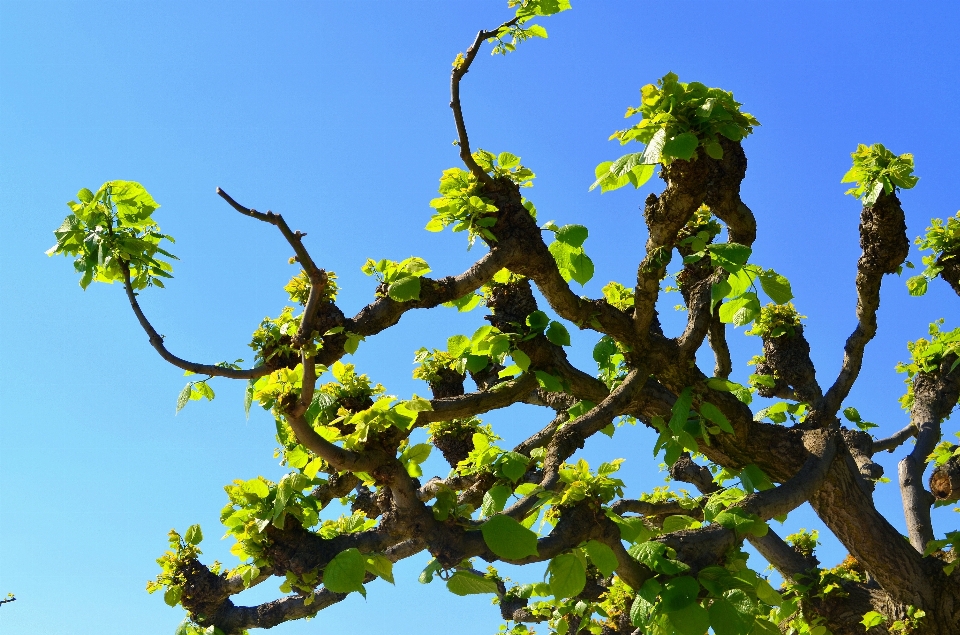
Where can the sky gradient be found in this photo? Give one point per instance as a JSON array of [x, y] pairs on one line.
[[336, 115]]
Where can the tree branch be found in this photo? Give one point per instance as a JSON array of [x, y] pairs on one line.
[[156, 340], [895, 440], [883, 238], [295, 239], [459, 70], [935, 395]]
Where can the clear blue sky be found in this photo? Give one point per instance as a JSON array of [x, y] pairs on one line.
[[336, 115]]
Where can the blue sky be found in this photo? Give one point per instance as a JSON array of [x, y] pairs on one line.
[[335, 114]]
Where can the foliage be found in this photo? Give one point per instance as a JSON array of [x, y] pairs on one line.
[[927, 355], [521, 31], [677, 119], [462, 203], [113, 229], [677, 565], [875, 170], [943, 241], [400, 280], [299, 287], [776, 320]]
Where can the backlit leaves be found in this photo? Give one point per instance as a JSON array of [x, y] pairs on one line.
[[876, 169], [113, 228]]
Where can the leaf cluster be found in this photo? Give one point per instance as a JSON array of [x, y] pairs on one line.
[[677, 119], [399, 280], [299, 287], [876, 169], [927, 355], [943, 241], [519, 31], [461, 202], [112, 229], [776, 320]]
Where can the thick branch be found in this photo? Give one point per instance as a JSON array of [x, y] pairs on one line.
[[935, 395], [895, 440], [883, 238]]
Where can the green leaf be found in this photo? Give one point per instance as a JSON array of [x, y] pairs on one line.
[[581, 268], [548, 382], [297, 457], [654, 555], [352, 343], [712, 413], [641, 610], [172, 595], [248, 397], [679, 593], [679, 522], [683, 146], [494, 500], [776, 286], [509, 539], [602, 557], [741, 522], [512, 465], [693, 620], [917, 285], [521, 359], [505, 159], [726, 620], [566, 576], [768, 594], [345, 572], [380, 565], [654, 150], [572, 235], [730, 256], [417, 453], [537, 321], [256, 487], [681, 409], [405, 289], [714, 150], [535, 30], [632, 529], [871, 619], [184, 396], [457, 345], [466, 583], [742, 310], [640, 175], [426, 576], [753, 478], [558, 334]]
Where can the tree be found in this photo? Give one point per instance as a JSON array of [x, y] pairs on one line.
[[662, 562]]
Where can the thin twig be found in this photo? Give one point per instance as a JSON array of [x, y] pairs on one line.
[[295, 238], [459, 71]]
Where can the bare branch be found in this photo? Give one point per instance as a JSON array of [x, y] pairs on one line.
[[883, 238], [895, 440], [156, 340], [461, 68]]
